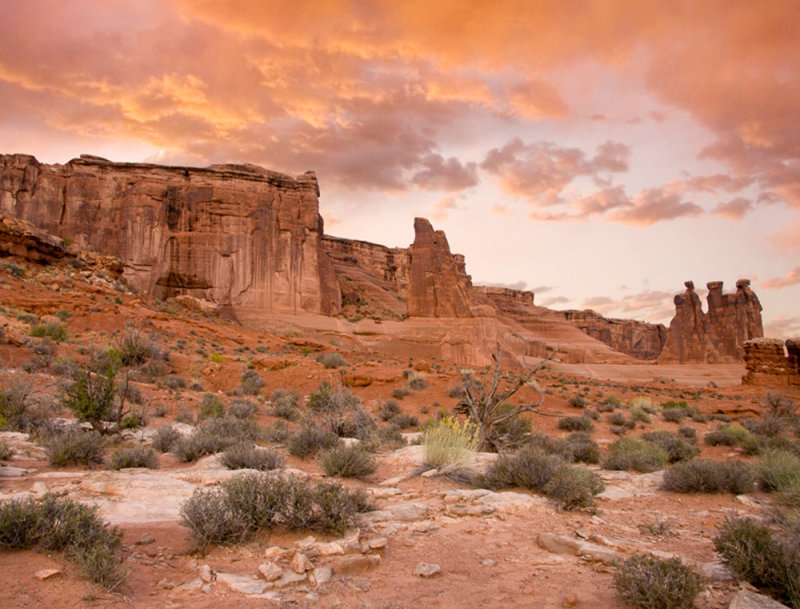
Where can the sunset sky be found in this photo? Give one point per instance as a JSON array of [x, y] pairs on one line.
[[597, 152]]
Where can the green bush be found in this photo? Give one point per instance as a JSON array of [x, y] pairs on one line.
[[74, 446], [546, 473], [581, 423], [165, 438], [331, 360], [62, 525], [310, 440], [247, 455], [648, 582], [211, 407], [640, 415], [707, 476], [728, 435], [778, 472], [92, 395], [449, 442], [352, 461], [676, 447], [53, 330], [250, 502], [630, 454], [771, 563], [135, 456]]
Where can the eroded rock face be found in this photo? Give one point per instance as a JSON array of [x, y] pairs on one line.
[[21, 238], [438, 284], [768, 363], [236, 235], [720, 334], [638, 339]]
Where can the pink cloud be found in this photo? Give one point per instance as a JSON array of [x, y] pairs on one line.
[[441, 174], [734, 209], [790, 278], [653, 205], [783, 326]]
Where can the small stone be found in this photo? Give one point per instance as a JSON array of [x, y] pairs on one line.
[[430, 473], [145, 541], [377, 543], [270, 571], [289, 578], [487, 562], [45, 574], [39, 488], [570, 600], [426, 569], [300, 563], [206, 573], [329, 549], [355, 564], [274, 552], [243, 584], [321, 575]]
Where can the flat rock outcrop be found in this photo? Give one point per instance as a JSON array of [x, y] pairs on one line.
[[236, 235], [21, 238], [770, 362], [716, 336], [638, 339], [438, 285]]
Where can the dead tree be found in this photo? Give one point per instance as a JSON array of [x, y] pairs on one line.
[[484, 398]]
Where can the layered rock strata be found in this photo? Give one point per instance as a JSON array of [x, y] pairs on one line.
[[716, 336], [638, 339], [771, 363], [237, 235]]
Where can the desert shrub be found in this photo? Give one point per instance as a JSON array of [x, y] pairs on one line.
[[455, 391], [310, 440], [532, 468], [642, 402], [165, 438], [400, 392], [676, 447], [284, 404], [404, 421], [352, 461], [675, 415], [730, 435], [636, 455], [133, 456], [388, 410], [242, 409], [63, 525], [211, 406], [511, 432], [215, 435], [578, 401], [582, 448], [611, 400], [778, 472], [391, 436], [74, 446], [550, 445], [708, 476], [355, 423], [53, 330], [92, 395], [6, 452], [575, 423], [640, 415], [249, 502], [673, 404], [246, 455], [769, 562], [331, 360], [690, 433], [250, 383], [649, 582], [331, 401], [173, 381], [277, 432], [620, 420], [416, 380], [449, 442], [184, 415], [135, 348], [133, 420]]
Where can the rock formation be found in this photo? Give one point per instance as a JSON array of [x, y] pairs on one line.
[[236, 235], [638, 339], [21, 238], [768, 363], [438, 285], [716, 336]]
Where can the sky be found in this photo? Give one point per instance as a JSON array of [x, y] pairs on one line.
[[597, 152]]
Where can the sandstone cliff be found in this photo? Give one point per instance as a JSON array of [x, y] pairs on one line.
[[720, 334], [768, 363], [638, 339], [237, 235]]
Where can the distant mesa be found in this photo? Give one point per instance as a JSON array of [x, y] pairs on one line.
[[251, 242]]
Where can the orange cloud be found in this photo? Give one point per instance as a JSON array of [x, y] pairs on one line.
[[653, 205], [791, 278], [734, 209], [783, 326]]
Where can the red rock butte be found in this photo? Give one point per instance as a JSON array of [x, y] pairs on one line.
[[251, 242]]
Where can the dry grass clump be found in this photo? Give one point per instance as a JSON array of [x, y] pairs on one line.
[[133, 456], [649, 582], [352, 461], [449, 441], [708, 476], [331, 360], [165, 438], [247, 503], [546, 473], [284, 404], [778, 472], [53, 524], [215, 435]]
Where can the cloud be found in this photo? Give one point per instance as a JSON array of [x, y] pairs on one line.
[[441, 174], [554, 300], [653, 205], [735, 209], [541, 289], [517, 285], [540, 171], [501, 209], [654, 306], [783, 326], [534, 99], [442, 208], [790, 278]]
